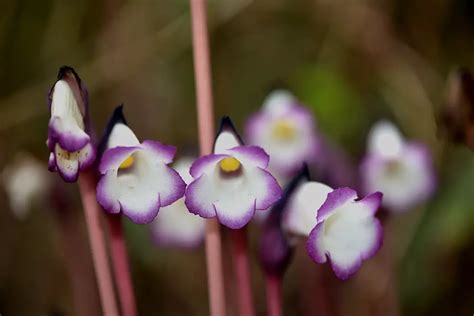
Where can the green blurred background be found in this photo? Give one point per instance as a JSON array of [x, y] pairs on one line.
[[352, 61]]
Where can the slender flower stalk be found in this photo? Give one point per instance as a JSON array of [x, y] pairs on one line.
[[202, 70], [273, 294], [242, 271], [121, 265], [92, 212]]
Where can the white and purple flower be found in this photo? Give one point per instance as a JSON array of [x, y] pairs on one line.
[[286, 130], [347, 231], [232, 183], [68, 141], [136, 179], [340, 228], [402, 170], [175, 226]]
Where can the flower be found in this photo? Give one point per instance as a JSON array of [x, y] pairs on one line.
[[285, 129], [402, 170], [232, 183], [175, 226], [135, 177], [338, 226], [26, 182], [68, 141], [347, 232]]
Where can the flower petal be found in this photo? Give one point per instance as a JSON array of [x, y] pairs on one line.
[[167, 182], [176, 227], [67, 166], [314, 244], [236, 210], [200, 196], [113, 157], [205, 164], [252, 155], [263, 186], [121, 135], [300, 214], [108, 192], [227, 137], [160, 152], [385, 140], [405, 181], [67, 133], [140, 204], [334, 200]]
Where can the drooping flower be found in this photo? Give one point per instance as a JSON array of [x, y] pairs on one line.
[[286, 131], [175, 226], [347, 232], [402, 170], [232, 183], [136, 179], [340, 228], [25, 182], [68, 141]]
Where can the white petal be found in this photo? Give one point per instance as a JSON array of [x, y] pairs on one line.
[[300, 215], [385, 140], [64, 105], [175, 226], [278, 102], [225, 140], [122, 135], [183, 165]]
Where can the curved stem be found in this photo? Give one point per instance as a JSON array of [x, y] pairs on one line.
[[242, 271], [202, 70], [273, 294], [92, 214], [120, 263]]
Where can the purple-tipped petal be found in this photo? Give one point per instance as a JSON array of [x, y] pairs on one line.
[[235, 213], [205, 164], [264, 187], [335, 199], [253, 155], [198, 197], [164, 153], [113, 158], [141, 206], [314, 245], [70, 137], [171, 186], [108, 192]]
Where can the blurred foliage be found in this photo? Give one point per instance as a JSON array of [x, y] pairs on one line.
[[353, 62]]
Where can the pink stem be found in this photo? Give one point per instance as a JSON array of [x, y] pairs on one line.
[[242, 271], [92, 214], [121, 265], [202, 70], [273, 291]]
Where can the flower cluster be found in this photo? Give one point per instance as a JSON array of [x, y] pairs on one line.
[[237, 180]]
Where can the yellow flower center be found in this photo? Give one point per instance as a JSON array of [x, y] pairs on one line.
[[284, 129], [127, 163], [229, 164]]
